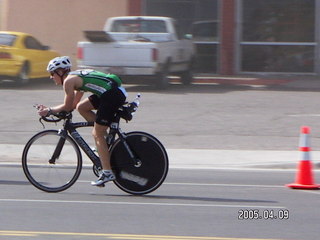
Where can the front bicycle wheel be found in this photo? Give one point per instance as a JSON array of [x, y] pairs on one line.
[[145, 177], [51, 162]]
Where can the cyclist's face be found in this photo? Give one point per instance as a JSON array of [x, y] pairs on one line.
[[56, 78]]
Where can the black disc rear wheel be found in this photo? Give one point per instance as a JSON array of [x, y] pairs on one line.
[[145, 177]]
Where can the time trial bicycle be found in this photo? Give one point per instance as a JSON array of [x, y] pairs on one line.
[[52, 160]]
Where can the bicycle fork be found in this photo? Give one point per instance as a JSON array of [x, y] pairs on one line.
[[58, 149]]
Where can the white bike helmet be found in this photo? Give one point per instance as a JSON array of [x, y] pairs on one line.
[[59, 62]]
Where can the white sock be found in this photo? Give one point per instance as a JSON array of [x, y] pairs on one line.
[[106, 172]]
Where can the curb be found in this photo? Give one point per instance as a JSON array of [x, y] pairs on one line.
[[306, 83], [241, 81], [235, 80], [199, 158]]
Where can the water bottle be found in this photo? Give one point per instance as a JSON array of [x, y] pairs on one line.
[[135, 103]]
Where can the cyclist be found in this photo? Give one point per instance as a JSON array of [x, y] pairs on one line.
[[107, 96]]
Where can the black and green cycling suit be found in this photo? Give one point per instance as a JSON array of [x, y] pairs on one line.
[[108, 95]]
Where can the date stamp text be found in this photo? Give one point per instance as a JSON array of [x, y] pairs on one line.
[[266, 214]]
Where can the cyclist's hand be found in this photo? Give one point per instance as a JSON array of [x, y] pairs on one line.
[[44, 112], [39, 106]]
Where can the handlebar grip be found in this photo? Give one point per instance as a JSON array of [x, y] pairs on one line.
[[46, 119], [59, 116]]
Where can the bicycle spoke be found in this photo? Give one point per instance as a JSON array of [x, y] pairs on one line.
[[51, 177]]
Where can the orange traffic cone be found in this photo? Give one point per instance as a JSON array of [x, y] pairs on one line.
[[304, 177]]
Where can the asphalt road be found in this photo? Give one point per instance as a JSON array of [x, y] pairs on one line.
[[202, 204], [198, 204], [193, 117]]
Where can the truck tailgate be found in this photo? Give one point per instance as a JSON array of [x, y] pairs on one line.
[[120, 54]]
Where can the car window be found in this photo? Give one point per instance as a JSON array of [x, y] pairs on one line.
[[7, 39], [150, 26], [32, 43]]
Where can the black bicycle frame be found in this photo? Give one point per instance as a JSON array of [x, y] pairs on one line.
[[70, 128], [114, 130]]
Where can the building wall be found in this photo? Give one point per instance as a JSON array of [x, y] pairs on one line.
[[227, 46], [59, 23], [243, 43]]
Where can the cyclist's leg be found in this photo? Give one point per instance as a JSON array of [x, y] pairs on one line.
[[110, 101], [86, 106], [103, 151], [99, 132], [109, 104]]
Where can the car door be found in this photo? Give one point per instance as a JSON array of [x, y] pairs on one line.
[[38, 57]]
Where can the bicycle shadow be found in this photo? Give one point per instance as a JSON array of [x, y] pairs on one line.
[[193, 198], [13, 182], [207, 199]]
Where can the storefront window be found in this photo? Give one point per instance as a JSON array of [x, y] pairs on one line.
[[277, 58], [198, 18], [278, 35]]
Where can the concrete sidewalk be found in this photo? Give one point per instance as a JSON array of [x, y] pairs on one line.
[[226, 159], [201, 158], [283, 81]]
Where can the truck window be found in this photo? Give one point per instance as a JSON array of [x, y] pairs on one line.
[[146, 26]]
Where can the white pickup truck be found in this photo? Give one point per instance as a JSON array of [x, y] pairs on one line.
[[139, 49]]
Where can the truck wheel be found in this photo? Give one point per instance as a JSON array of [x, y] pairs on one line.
[[162, 79], [187, 76]]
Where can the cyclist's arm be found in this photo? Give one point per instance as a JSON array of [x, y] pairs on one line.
[[69, 97], [77, 97]]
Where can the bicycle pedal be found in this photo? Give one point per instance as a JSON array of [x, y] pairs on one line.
[[101, 185]]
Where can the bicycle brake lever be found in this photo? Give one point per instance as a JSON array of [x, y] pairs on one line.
[[40, 120], [37, 106]]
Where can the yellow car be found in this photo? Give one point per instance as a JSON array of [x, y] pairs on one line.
[[23, 57]]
